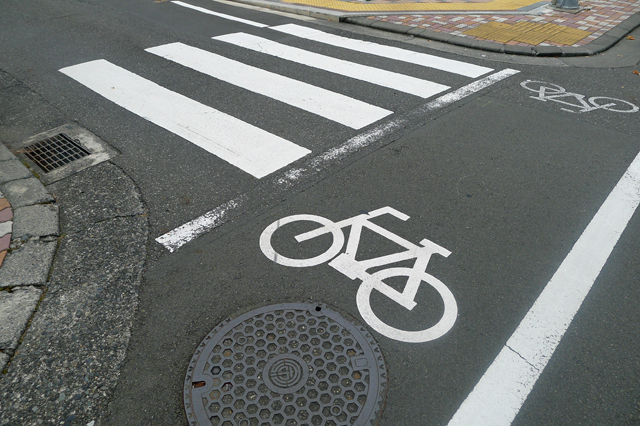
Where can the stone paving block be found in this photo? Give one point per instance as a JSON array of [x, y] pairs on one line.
[[6, 215], [5, 242], [36, 221], [16, 307], [5, 228], [13, 170], [5, 154], [25, 192], [4, 203], [28, 264]]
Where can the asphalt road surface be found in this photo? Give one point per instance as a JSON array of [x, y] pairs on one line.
[[512, 181]]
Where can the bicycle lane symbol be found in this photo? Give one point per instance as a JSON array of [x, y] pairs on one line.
[[347, 264], [556, 93]]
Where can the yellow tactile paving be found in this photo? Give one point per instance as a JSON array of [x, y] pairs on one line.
[[528, 32], [390, 7], [494, 31], [569, 36]]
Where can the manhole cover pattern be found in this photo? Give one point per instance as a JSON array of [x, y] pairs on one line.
[[291, 364], [54, 152]]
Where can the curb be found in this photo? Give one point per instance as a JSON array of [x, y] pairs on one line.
[[329, 15], [599, 45], [29, 231]]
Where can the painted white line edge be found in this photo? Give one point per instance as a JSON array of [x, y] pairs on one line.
[[219, 15], [181, 235], [502, 390], [390, 52]]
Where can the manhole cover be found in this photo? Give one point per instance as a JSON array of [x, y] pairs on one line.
[[294, 364]]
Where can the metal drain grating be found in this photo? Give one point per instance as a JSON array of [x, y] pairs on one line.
[[54, 152], [294, 364]]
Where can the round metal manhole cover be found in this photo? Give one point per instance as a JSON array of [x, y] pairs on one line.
[[294, 364]]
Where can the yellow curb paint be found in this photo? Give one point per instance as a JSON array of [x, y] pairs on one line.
[[391, 7], [528, 32]]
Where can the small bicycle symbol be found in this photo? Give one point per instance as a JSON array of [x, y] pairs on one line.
[[556, 93], [352, 268]]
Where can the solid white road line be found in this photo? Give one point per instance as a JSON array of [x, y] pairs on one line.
[[334, 106], [500, 393], [220, 15], [401, 82], [423, 59], [191, 230], [245, 146]]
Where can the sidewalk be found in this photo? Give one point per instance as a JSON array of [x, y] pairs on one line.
[[29, 231], [523, 27], [72, 251]]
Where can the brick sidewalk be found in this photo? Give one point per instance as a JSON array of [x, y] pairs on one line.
[[551, 28]]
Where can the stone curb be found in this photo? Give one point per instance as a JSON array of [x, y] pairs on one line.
[[602, 43], [29, 231]]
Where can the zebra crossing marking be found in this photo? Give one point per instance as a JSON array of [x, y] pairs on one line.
[[392, 80], [390, 52], [220, 15], [280, 182], [325, 103], [247, 147], [241, 144]]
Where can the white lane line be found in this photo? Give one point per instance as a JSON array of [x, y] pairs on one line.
[[401, 82], [245, 146], [191, 230], [181, 235], [423, 59], [219, 15], [333, 106], [500, 393]]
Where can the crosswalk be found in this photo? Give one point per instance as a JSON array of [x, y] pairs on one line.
[[254, 150]]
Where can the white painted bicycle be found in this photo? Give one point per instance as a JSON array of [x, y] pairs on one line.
[[555, 93], [347, 264]]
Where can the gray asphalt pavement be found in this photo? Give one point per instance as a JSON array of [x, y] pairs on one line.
[[506, 182]]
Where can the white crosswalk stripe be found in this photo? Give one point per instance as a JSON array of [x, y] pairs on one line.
[[325, 103], [220, 15], [423, 59], [245, 146], [392, 80]]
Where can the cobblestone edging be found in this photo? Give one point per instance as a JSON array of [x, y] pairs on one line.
[[603, 24], [29, 231]]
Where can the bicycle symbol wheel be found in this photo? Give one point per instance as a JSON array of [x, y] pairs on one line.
[[363, 299], [612, 104], [269, 251]]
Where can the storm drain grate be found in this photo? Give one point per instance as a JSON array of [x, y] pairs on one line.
[[54, 152], [294, 364]]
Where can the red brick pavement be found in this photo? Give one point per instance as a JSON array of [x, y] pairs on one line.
[[598, 17]]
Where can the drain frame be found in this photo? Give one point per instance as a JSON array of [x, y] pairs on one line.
[[54, 152], [97, 151]]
